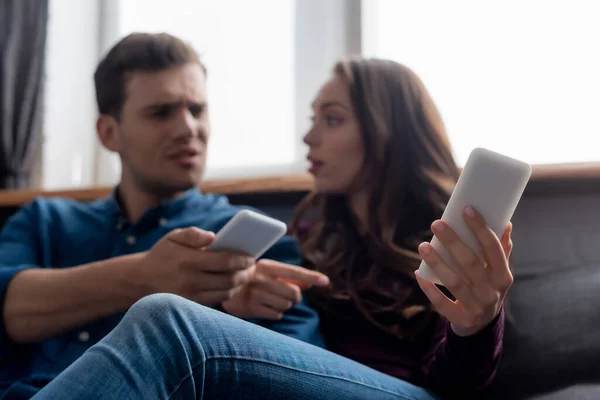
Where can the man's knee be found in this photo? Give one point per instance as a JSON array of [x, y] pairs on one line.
[[161, 307], [155, 303], [170, 316]]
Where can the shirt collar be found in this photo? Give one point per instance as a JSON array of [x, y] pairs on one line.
[[165, 209]]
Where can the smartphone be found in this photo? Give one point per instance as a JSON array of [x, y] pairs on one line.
[[248, 233], [493, 184]]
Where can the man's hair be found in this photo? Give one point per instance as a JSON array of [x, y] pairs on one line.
[[147, 52]]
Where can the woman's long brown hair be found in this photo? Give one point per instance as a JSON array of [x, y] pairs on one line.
[[409, 173]]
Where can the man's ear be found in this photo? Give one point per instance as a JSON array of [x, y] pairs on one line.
[[107, 128]]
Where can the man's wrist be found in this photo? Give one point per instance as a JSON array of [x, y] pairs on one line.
[[132, 276]]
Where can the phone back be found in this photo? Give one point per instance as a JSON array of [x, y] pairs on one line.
[[249, 233], [493, 184]]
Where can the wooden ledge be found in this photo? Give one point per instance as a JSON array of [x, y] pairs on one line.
[[289, 183], [546, 180], [285, 183], [564, 179]]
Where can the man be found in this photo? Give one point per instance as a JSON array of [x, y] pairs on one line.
[[69, 271]]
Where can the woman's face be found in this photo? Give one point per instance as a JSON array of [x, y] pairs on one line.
[[336, 150]]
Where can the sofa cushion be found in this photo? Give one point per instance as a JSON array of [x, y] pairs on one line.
[[576, 392], [552, 337]]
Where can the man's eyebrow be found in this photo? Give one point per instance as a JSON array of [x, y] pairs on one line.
[[156, 106], [172, 104]]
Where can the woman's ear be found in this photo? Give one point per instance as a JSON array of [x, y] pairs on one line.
[[107, 129]]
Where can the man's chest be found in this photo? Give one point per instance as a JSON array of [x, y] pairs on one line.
[[81, 243]]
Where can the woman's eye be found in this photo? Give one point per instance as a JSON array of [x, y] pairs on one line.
[[327, 120], [333, 121]]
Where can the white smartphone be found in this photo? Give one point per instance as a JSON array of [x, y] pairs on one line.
[[248, 233], [493, 184]]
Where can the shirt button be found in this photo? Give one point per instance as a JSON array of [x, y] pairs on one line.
[[84, 336], [120, 223], [130, 240], [162, 221]]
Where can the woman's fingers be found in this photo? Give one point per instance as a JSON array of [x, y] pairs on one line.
[[442, 304], [493, 250], [462, 291], [468, 262]]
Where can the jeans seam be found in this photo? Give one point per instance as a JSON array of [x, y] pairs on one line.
[[185, 378], [239, 358]]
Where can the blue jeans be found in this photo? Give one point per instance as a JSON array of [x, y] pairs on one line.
[[167, 347]]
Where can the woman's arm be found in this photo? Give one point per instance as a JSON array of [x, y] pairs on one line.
[[459, 367], [467, 342]]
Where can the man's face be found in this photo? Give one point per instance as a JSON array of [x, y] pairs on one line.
[[163, 129]]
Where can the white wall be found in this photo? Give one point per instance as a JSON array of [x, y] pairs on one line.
[[70, 111], [507, 75]]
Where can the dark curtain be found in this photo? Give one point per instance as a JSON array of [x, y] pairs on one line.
[[23, 49]]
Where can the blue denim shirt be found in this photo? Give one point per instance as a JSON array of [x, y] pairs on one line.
[[61, 233]]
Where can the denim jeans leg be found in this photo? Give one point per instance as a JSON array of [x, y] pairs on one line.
[[167, 347]]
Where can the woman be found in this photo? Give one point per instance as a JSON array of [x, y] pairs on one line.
[[383, 172]]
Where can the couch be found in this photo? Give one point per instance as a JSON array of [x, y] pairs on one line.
[[552, 348]]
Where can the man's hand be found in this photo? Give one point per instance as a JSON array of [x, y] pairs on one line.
[[273, 289], [179, 264]]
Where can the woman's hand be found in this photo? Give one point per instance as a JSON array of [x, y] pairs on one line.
[[479, 286], [273, 289]]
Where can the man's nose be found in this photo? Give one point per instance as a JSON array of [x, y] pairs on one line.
[[187, 125]]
